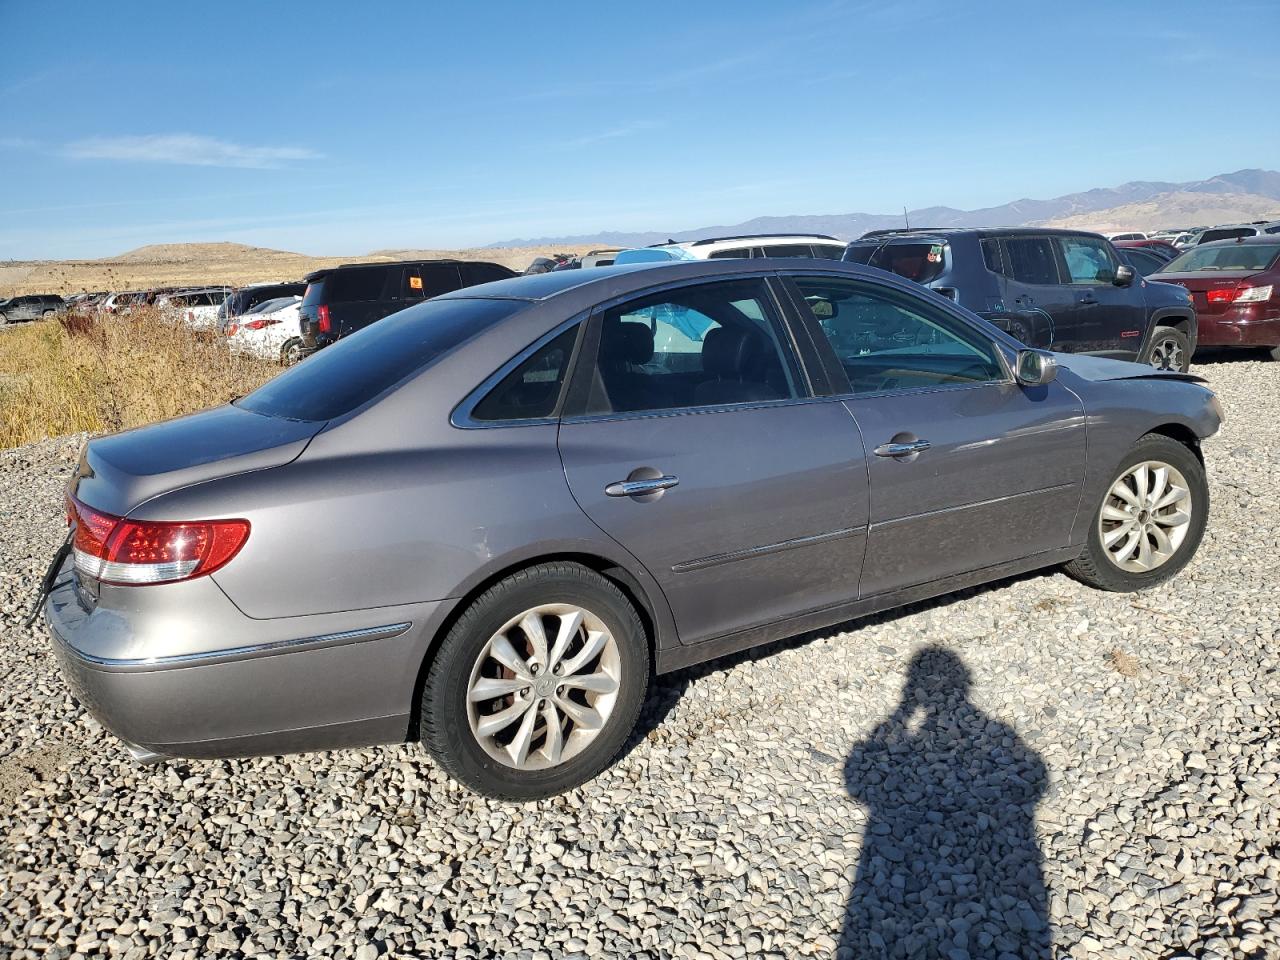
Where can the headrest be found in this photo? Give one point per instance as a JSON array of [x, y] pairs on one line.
[[729, 352], [629, 342]]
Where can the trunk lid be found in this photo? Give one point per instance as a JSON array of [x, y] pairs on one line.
[[120, 472], [1199, 283]]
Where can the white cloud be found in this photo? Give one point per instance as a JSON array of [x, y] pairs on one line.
[[188, 149]]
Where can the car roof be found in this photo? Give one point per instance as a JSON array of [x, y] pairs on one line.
[[317, 274], [947, 233], [756, 236], [605, 283]]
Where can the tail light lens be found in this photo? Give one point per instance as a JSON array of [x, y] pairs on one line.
[[1221, 295], [1254, 295], [260, 324], [322, 318], [231, 330], [115, 550]]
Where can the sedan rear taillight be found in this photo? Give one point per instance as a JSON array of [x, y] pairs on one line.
[[115, 550], [1239, 294], [1221, 295], [322, 318], [260, 324]]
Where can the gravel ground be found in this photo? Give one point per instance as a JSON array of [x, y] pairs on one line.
[[1031, 769]]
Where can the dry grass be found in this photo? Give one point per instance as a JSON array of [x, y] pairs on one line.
[[1123, 663], [79, 375]]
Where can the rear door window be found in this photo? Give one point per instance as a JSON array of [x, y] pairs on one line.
[[993, 255], [828, 251], [1032, 260], [788, 250], [473, 273], [355, 285], [1227, 233], [730, 254]]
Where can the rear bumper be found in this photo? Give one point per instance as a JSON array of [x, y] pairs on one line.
[[257, 692], [1249, 326]]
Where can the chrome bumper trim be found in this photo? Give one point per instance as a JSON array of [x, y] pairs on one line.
[[240, 653]]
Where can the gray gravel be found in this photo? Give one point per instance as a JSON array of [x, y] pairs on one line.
[[1068, 773]]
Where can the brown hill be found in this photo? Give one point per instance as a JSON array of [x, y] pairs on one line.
[[1174, 210]]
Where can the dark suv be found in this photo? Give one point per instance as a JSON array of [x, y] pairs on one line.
[[31, 307], [341, 300], [1063, 290]]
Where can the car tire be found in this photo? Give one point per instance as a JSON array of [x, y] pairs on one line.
[[1170, 350], [47, 314], [1101, 564], [503, 746], [291, 352], [4, 319], [1275, 352]]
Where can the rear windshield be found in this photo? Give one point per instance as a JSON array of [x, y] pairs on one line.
[[921, 262], [1227, 233], [1237, 256], [357, 368]]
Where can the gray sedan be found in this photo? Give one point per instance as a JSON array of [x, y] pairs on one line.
[[486, 521]]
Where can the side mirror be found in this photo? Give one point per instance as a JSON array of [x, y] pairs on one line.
[[1124, 275], [1035, 368]]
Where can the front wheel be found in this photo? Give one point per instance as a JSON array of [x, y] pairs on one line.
[[1170, 350], [1150, 521], [537, 686]]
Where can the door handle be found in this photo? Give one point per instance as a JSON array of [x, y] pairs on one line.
[[902, 449], [638, 488], [1088, 298]]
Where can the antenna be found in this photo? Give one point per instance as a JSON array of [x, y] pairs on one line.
[[905, 218]]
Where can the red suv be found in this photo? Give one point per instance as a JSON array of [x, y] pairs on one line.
[[1235, 286]]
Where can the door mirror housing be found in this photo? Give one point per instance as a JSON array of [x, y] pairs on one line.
[[1035, 368], [1125, 275]]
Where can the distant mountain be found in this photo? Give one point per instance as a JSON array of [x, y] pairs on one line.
[[1259, 184], [1181, 208]]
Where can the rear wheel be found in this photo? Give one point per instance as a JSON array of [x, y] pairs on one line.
[[291, 352], [1170, 350], [47, 314], [537, 686], [1150, 520], [4, 318], [1275, 352]]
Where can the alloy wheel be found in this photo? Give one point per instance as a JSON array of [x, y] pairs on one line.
[[1166, 354], [544, 686], [1145, 516]]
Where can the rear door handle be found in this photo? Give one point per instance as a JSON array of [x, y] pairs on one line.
[[1088, 298], [638, 488], [902, 449]]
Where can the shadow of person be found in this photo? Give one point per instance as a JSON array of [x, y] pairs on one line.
[[949, 867]]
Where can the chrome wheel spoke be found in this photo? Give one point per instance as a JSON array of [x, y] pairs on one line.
[[1110, 537], [1144, 550], [595, 643], [1159, 481], [497, 722], [595, 682], [1115, 513], [487, 688], [1164, 546], [1175, 494], [1127, 548], [570, 624], [518, 748], [1173, 519], [1122, 490], [537, 637], [554, 745], [584, 717], [1141, 482], [501, 650]]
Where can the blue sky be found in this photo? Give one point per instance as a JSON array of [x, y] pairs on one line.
[[340, 129]]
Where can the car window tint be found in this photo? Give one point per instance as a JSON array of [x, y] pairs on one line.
[[343, 286], [1031, 260], [486, 272], [731, 254], [531, 390], [703, 345], [887, 340], [860, 252], [1088, 260], [1145, 263], [828, 251], [992, 255], [357, 368], [1227, 233]]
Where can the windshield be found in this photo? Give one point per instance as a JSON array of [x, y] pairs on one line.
[[1235, 256], [357, 368]]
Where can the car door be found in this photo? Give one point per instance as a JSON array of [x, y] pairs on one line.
[[692, 439], [1104, 318], [1036, 300], [967, 469]]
